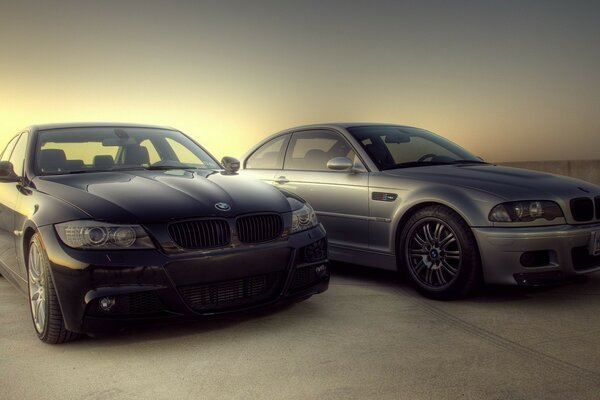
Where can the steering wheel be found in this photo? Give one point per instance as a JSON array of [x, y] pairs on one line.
[[426, 156]]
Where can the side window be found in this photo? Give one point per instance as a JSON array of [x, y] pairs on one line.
[[311, 150], [9, 148], [270, 155], [152, 153], [17, 157]]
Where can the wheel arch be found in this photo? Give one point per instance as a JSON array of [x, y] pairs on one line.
[[27, 235], [416, 208]]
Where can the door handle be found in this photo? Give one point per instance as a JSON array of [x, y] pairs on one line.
[[281, 180]]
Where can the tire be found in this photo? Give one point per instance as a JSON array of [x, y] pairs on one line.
[[439, 253], [43, 303]]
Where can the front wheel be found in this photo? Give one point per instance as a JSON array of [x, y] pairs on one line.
[[439, 252], [45, 310]]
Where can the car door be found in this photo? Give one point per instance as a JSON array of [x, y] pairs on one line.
[[267, 161], [340, 198], [9, 196]]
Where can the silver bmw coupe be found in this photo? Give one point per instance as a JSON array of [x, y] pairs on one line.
[[398, 197]]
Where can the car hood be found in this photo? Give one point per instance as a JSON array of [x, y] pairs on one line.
[[506, 182], [157, 196]]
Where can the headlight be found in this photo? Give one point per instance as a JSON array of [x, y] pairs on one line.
[[100, 235], [304, 218], [525, 211]]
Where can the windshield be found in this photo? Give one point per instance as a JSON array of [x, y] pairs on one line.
[[93, 149], [399, 147]]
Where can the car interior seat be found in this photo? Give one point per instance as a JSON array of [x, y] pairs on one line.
[[52, 160], [136, 155], [72, 165], [103, 161], [316, 159], [380, 155]]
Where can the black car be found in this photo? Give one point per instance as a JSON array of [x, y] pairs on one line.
[[101, 224]]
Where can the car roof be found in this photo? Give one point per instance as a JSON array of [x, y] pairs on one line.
[[343, 125], [42, 127]]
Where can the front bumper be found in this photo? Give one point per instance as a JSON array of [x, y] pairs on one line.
[[149, 285], [536, 255]]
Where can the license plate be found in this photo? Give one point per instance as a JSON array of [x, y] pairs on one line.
[[595, 243]]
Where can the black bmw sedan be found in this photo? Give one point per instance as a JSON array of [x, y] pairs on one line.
[[106, 223]]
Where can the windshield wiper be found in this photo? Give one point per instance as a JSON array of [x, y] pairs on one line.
[[411, 164], [469, 162], [169, 166], [85, 171]]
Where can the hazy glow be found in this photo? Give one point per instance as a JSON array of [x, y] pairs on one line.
[[511, 80]]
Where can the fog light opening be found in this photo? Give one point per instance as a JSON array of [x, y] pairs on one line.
[[538, 258], [316, 251], [106, 303], [321, 270]]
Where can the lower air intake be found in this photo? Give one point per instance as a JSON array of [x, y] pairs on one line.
[[230, 294]]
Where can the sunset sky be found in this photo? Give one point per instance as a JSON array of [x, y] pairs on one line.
[[508, 80]]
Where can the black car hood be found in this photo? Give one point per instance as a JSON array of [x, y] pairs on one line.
[[157, 196]]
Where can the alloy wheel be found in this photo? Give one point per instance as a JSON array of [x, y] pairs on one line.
[[37, 288], [434, 253]]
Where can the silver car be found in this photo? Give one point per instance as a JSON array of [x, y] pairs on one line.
[[398, 197]]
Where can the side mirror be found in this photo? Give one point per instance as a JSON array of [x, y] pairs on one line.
[[340, 164], [231, 165], [7, 172]]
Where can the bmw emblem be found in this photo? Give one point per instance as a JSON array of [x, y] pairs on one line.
[[222, 206]]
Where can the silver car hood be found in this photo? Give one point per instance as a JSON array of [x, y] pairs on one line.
[[505, 182]]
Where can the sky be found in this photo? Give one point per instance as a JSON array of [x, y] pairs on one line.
[[508, 80]]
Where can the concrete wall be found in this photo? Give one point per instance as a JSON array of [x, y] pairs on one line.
[[587, 170]]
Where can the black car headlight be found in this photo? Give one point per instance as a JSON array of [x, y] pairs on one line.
[[100, 235], [525, 211], [304, 218]]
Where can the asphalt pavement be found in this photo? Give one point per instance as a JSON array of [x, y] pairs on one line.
[[370, 336]]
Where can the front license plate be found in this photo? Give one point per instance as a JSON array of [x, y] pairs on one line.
[[595, 243]]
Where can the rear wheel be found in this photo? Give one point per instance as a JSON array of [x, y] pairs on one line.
[[440, 254], [45, 310]]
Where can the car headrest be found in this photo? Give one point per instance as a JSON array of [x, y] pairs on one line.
[[104, 161], [136, 155], [52, 160]]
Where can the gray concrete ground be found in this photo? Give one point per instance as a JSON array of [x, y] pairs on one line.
[[369, 337]]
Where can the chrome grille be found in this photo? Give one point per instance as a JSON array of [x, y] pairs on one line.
[[232, 293], [200, 234], [259, 228]]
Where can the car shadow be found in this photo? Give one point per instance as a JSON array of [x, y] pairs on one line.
[[583, 284], [342, 274], [179, 328]]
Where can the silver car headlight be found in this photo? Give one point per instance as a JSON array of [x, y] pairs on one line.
[[87, 234], [525, 211], [304, 218]]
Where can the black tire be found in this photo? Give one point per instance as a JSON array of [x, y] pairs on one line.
[[439, 253], [46, 315]]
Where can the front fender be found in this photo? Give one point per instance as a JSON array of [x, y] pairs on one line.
[[36, 210], [472, 205], [388, 217]]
